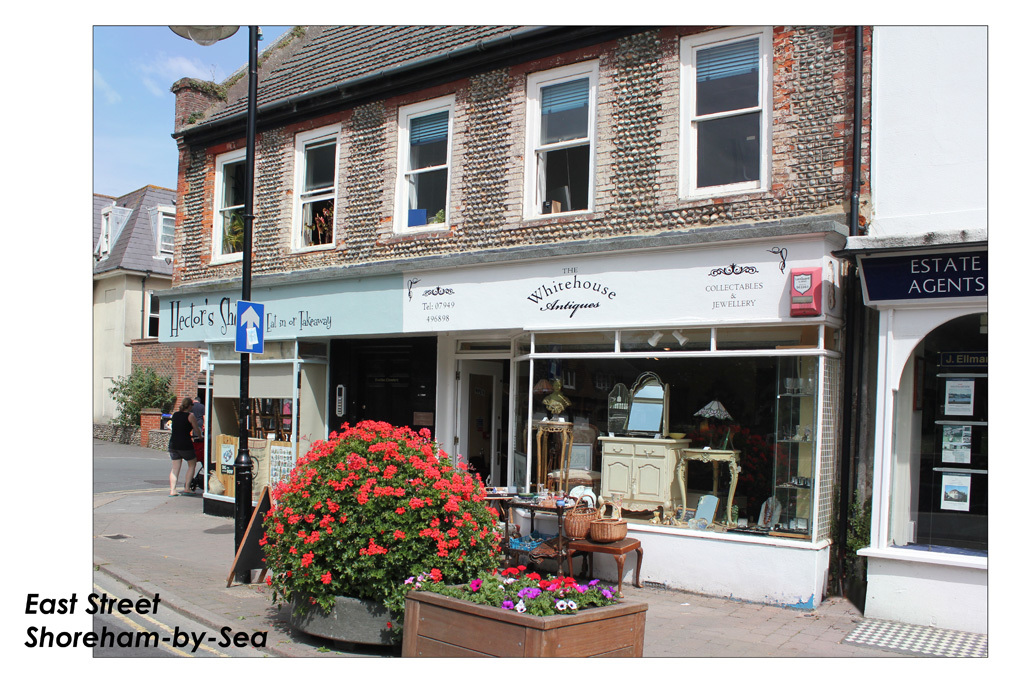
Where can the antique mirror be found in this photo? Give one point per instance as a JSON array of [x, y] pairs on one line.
[[618, 409], [648, 407]]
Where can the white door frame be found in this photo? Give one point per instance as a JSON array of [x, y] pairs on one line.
[[495, 370]]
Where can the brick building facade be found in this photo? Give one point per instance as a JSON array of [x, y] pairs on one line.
[[724, 291], [637, 185]]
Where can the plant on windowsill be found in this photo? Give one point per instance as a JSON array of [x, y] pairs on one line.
[[437, 217], [321, 230], [368, 508], [234, 234]]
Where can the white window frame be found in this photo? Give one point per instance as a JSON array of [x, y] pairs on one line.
[[688, 48], [157, 214], [217, 255], [150, 315], [532, 194], [405, 115], [304, 140], [106, 220]]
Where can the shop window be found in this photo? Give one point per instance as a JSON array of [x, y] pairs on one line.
[[574, 342], [805, 336], [229, 203], [666, 339], [316, 162], [940, 460], [759, 413], [560, 139], [424, 161], [726, 79]]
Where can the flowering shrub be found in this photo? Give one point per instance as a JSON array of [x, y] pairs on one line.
[[368, 508], [514, 589]]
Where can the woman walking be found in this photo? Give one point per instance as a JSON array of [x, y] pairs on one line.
[[183, 424]]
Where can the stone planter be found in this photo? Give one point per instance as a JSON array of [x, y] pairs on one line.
[[351, 620], [440, 626]]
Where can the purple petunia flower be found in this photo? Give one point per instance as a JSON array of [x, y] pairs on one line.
[[529, 593], [607, 593], [594, 582], [507, 605]]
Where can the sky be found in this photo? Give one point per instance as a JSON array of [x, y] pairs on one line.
[[133, 107]]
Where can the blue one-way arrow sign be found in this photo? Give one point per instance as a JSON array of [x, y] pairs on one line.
[[249, 327]]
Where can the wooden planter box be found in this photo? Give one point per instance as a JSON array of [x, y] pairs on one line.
[[440, 626]]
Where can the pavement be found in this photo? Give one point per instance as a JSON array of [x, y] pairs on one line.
[[167, 545]]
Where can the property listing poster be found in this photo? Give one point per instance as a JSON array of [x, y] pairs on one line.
[[956, 492], [960, 397], [956, 444]]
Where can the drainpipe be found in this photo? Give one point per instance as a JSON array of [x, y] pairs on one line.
[[858, 125], [854, 316], [145, 276]]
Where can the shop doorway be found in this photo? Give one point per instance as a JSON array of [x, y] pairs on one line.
[[482, 413]]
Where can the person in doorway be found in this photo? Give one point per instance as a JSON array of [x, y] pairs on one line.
[[199, 410], [183, 425]]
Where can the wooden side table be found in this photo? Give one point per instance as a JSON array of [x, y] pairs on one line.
[[618, 549]]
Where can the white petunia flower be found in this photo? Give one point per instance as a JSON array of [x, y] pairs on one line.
[[561, 605], [521, 607]]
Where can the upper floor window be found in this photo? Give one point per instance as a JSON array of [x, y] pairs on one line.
[[112, 219], [162, 220], [316, 162], [153, 316], [229, 205], [103, 247], [560, 123], [726, 98], [424, 157]]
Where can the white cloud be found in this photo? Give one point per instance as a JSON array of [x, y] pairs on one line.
[[159, 74], [153, 87], [111, 95]]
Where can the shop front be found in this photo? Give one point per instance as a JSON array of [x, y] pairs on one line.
[[927, 561], [695, 388]]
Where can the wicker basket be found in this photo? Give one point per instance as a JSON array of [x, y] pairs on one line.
[[577, 521], [607, 530]]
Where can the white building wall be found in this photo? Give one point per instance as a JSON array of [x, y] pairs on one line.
[[929, 111]]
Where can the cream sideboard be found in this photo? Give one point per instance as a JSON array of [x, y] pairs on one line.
[[641, 470]]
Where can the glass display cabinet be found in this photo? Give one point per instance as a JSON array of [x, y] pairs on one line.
[[788, 511]]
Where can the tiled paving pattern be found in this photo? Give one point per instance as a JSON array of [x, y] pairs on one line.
[[918, 640]]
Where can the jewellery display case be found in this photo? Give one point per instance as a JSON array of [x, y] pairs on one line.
[[788, 511]]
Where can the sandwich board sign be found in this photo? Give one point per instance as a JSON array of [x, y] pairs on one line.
[[249, 327]]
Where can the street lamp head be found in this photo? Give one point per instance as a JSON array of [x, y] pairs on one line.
[[205, 35]]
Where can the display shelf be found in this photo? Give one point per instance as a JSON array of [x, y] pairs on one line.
[[561, 543], [795, 449]]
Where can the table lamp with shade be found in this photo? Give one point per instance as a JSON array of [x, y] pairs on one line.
[[714, 410]]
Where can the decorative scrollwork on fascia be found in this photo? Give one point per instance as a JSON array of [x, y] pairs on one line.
[[733, 269], [781, 253]]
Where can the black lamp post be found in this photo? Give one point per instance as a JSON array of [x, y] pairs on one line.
[[208, 35]]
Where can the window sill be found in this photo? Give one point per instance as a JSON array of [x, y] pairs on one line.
[[315, 248], [435, 231], [722, 192], [555, 218], [925, 556], [223, 260]]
